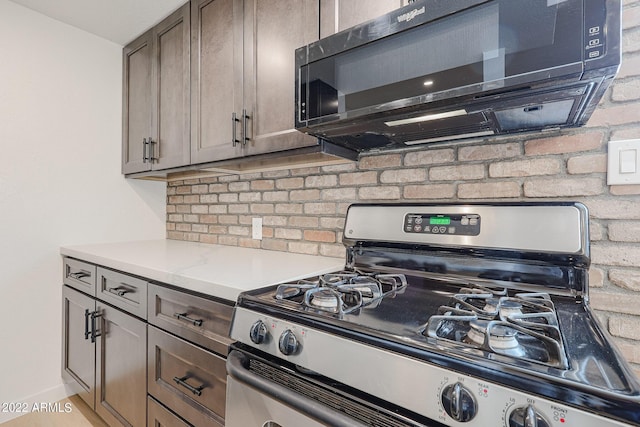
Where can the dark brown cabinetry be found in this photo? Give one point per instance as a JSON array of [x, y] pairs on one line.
[[243, 74], [156, 91], [104, 348]]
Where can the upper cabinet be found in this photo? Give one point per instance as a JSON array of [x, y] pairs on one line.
[[242, 87], [156, 91], [338, 15]]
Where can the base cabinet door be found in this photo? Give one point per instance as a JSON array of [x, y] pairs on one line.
[[121, 368], [190, 381], [78, 352], [159, 416]]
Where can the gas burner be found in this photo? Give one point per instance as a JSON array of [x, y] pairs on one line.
[[522, 327], [344, 292]]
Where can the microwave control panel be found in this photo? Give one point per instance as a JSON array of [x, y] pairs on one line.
[[457, 225]]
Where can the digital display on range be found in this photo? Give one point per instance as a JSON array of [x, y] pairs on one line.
[[456, 225], [440, 220]]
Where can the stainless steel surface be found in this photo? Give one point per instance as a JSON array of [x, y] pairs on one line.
[[265, 411], [404, 381], [491, 325], [211, 330], [170, 357], [553, 229], [122, 290]]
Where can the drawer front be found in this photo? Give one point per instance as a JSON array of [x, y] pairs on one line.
[[199, 320], [123, 291], [187, 379], [159, 416], [79, 275]]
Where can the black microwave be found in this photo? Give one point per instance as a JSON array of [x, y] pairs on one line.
[[445, 70]]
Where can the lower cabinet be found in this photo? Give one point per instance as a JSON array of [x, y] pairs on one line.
[[187, 379], [159, 416], [104, 353], [142, 354], [121, 368]]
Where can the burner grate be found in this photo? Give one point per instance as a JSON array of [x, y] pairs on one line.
[[342, 293], [523, 327]]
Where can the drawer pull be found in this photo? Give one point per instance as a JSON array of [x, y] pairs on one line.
[[120, 291], [183, 382], [184, 316], [79, 275]]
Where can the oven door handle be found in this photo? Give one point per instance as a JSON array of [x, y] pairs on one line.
[[236, 368]]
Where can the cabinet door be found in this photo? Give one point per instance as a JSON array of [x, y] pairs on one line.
[[216, 79], [78, 352], [121, 368], [136, 98], [171, 123], [275, 28], [338, 15]]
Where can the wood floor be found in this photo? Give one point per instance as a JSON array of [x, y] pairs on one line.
[[75, 414]]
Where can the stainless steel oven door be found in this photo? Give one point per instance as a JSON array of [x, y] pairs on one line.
[[249, 407], [253, 401]]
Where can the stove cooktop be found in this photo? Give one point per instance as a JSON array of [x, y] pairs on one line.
[[480, 323]]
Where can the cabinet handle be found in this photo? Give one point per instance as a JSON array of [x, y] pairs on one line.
[[120, 291], [145, 146], [185, 316], [234, 137], [87, 332], [78, 275], [245, 118], [152, 150], [182, 381], [94, 333]]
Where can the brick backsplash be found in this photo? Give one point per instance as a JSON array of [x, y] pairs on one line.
[[303, 209]]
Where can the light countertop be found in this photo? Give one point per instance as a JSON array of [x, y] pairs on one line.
[[216, 270]]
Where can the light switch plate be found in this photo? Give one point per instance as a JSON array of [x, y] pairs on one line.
[[256, 228], [623, 166]]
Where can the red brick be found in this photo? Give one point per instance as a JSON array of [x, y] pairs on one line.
[[429, 191], [619, 255], [626, 279], [617, 302], [489, 190], [591, 163], [489, 151], [429, 157], [320, 236], [561, 144], [563, 187], [527, 167], [379, 193], [613, 116], [379, 161], [456, 173], [402, 175]]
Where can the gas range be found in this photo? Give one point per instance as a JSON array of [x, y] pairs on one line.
[[472, 314]]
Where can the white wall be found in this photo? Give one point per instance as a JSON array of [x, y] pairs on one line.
[[60, 183]]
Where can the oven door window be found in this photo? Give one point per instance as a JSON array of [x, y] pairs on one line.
[[495, 45]]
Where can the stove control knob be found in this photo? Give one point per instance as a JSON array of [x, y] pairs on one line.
[[288, 343], [459, 402], [527, 416], [258, 332]]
